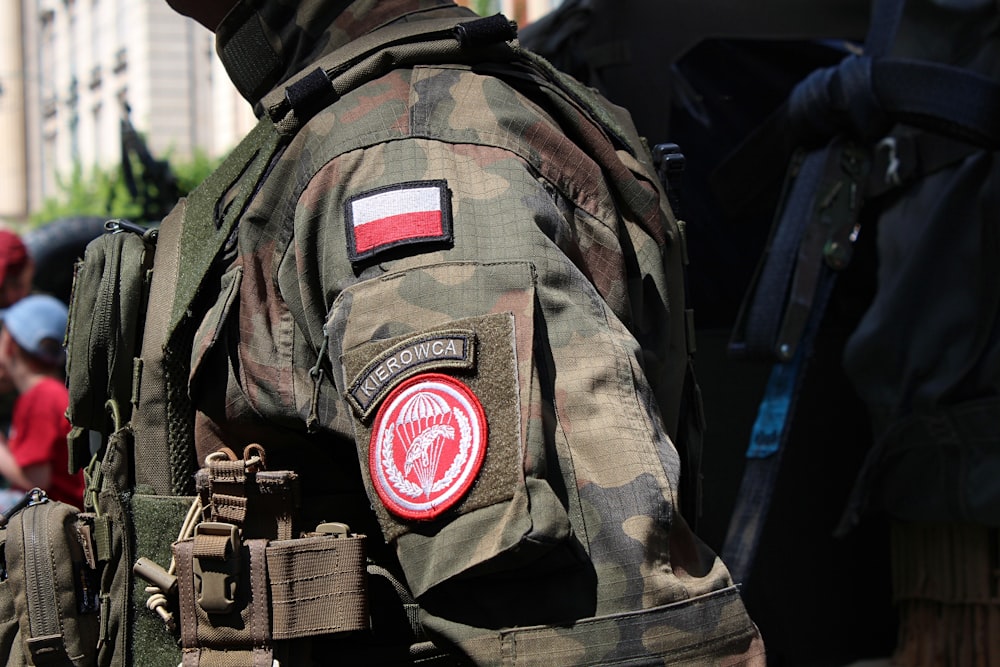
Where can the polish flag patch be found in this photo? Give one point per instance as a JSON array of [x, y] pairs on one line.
[[403, 214]]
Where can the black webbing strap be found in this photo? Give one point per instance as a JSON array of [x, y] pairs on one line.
[[427, 41], [949, 100], [809, 243], [824, 198]]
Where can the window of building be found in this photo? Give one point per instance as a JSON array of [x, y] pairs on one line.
[[96, 117], [46, 62]]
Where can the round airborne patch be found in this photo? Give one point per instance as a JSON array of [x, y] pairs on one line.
[[427, 446]]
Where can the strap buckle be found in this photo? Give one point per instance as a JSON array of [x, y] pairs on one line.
[[216, 565], [334, 529]]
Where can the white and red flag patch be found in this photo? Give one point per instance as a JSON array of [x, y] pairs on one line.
[[403, 214]]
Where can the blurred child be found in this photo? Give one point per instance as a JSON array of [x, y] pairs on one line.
[[31, 354]]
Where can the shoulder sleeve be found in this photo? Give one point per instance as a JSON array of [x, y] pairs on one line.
[[479, 295]]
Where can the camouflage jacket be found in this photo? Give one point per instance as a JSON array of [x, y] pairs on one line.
[[436, 313]]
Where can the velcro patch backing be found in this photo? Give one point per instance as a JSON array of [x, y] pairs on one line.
[[491, 380], [416, 212]]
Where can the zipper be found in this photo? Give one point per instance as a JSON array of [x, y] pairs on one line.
[[121, 225], [106, 306], [108, 301], [43, 612]]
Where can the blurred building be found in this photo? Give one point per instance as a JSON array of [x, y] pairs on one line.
[[69, 67]]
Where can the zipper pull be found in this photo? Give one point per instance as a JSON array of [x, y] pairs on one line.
[[316, 373], [33, 497]]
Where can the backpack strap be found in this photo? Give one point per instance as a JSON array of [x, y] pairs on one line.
[[483, 41], [843, 110]]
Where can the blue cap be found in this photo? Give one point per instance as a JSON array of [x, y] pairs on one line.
[[32, 320]]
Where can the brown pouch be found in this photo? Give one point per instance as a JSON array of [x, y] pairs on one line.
[[243, 581], [52, 584]]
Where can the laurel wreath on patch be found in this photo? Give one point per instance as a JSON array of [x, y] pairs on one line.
[[408, 488]]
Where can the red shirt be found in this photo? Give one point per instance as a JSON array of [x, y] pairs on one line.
[[38, 435]]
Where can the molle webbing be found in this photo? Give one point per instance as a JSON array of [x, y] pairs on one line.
[[260, 502], [243, 583]]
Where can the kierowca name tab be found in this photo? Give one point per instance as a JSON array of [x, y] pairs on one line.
[[442, 349]]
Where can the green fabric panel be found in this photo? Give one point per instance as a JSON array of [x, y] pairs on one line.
[[149, 419], [157, 522], [203, 234]]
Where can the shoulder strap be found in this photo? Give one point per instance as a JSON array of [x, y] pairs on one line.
[[782, 311], [426, 41], [191, 238]]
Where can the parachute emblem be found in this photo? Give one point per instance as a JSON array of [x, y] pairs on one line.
[[428, 444]]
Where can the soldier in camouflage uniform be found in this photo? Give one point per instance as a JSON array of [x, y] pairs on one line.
[[437, 314]]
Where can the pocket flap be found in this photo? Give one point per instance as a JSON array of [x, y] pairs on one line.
[[213, 324]]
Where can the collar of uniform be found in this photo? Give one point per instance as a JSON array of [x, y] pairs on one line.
[[264, 42]]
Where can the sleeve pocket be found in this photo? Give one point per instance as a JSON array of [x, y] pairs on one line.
[[437, 363]]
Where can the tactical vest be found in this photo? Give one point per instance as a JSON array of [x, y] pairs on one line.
[[137, 300]]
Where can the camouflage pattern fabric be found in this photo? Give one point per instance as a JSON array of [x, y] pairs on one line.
[[438, 314]]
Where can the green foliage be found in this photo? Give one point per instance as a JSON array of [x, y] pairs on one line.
[[485, 7], [102, 192], [192, 172]]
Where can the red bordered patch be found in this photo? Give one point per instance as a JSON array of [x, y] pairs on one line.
[[427, 446]]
